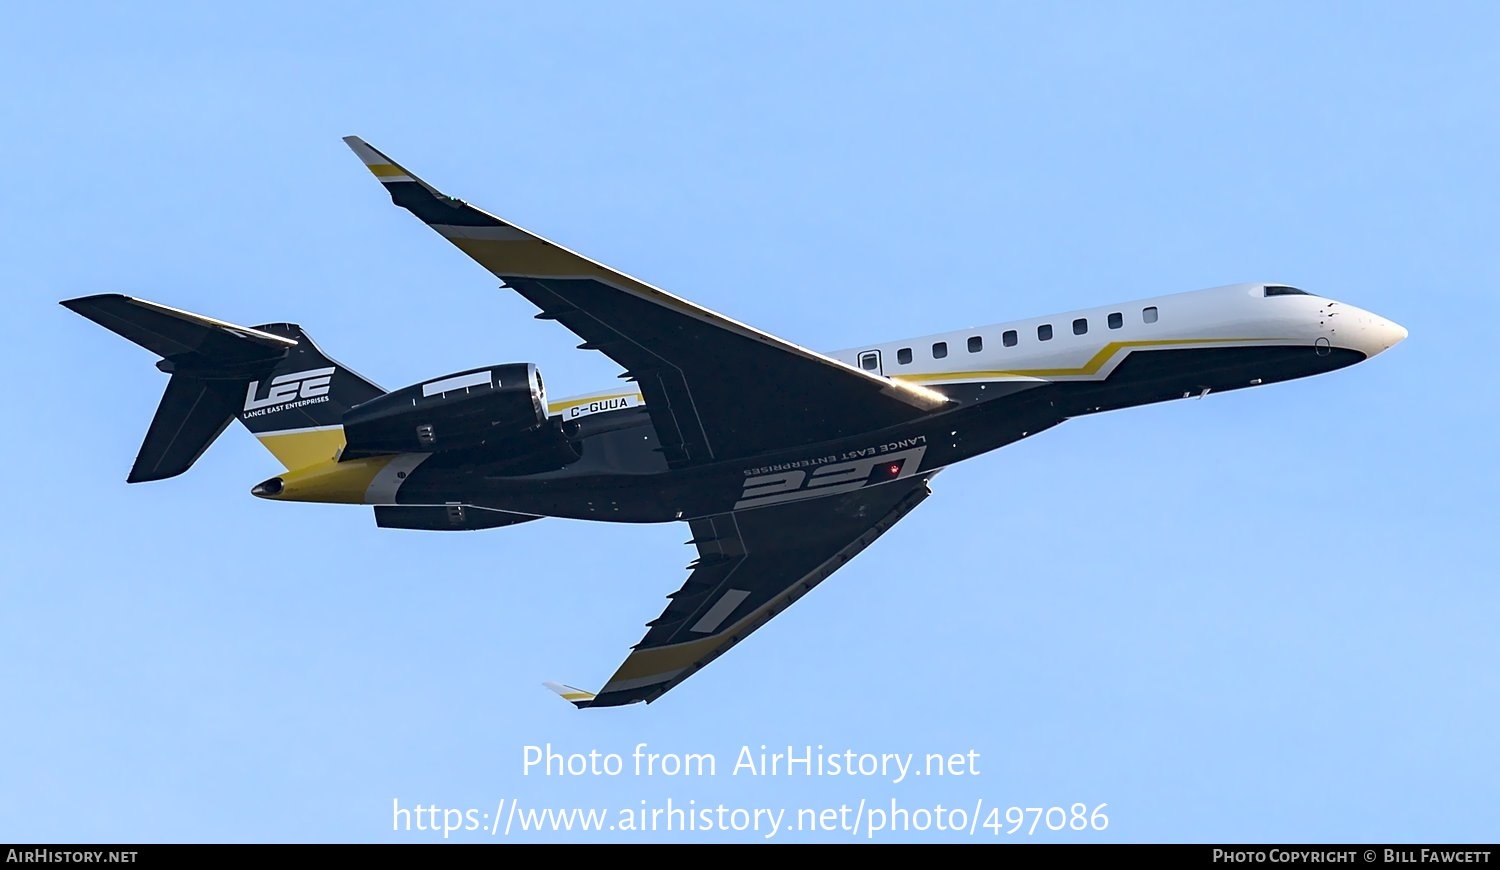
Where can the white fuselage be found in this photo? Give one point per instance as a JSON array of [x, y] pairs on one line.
[[1088, 344]]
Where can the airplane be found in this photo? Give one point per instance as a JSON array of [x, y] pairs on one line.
[[784, 462]]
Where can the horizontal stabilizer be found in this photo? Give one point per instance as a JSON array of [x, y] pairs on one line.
[[210, 362], [272, 377], [577, 697], [445, 517], [191, 342]]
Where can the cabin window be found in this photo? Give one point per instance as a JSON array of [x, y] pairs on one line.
[[903, 356], [1149, 314], [870, 361], [1008, 338], [976, 343], [1044, 332], [1080, 326], [939, 349], [1116, 320]]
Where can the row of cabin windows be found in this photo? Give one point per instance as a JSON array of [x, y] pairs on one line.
[[1010, 338]]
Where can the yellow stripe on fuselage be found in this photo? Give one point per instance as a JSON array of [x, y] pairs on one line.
[[559, 407], [314, 472], [333, 482], [1092, 367]]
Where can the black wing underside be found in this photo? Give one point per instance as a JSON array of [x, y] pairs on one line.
[[715, 388], [751, 566]]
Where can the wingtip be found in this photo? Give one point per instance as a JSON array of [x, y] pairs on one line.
[[575, 696], [362, 149], [80, 302], [385, 170]]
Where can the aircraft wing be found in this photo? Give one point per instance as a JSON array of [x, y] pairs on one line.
[[715, 388], [751, 565]]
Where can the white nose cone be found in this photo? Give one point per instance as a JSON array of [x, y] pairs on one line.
[[1380, 335], [1365, 332]]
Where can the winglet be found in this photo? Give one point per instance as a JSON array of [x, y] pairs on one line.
[[577, 697], [385, 170], [450, 216]]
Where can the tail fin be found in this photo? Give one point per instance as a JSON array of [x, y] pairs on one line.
[[297, 408], [272, 377], [192, 414]]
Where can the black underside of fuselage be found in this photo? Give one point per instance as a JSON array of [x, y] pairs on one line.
[[621, 475], [1146, 377]]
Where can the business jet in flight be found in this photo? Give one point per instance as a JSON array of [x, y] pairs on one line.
[[784, 462]]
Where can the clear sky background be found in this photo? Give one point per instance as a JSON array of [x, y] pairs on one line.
[[1264, 616]]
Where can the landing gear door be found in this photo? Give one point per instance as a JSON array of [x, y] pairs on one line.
[[869, 360]]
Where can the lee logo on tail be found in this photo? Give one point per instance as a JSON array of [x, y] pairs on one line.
[[310, 386]]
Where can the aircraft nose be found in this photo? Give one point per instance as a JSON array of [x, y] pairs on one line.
[[1381, 335], [1361, 330]]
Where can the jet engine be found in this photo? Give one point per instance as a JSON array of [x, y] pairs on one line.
[[462, 411]]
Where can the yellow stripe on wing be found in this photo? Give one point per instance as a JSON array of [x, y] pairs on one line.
[[663, 663]]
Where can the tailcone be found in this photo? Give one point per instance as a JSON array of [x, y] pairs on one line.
[[268, 488]]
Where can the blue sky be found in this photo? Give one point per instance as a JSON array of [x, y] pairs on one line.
[[1263, 616]]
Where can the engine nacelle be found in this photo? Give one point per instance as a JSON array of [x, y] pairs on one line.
[[455, 412]]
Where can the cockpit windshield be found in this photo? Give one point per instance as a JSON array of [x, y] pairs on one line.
[[1283, 290]]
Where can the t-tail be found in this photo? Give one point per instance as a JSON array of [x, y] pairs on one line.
[[272, 377]]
